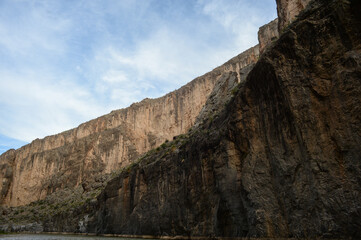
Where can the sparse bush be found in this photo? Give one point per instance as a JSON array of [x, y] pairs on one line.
[[235, 90]]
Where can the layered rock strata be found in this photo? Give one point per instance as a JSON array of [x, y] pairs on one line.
[[277, 155], [281, 158], [107, 143]]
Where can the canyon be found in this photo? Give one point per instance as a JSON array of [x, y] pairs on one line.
[[110, 142], [266, 145], [280, 159], [107, 143]]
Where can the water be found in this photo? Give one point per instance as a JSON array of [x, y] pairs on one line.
[[57, 237]]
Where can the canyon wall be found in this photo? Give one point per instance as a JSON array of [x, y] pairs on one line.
[[288, 10], [275, 156], [280, 159], [107, 143], [267, 34]]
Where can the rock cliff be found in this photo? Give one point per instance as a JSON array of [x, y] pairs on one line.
[[280, 157], [268, 34], [274, 152], [105, 144], [288, 10]]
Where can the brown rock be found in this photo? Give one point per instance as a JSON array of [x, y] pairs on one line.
[[267, 34], [107, 143], [281, 159], [288, 10]]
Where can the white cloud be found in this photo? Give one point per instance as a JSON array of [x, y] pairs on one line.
[[33, 29], [64, 63], [35, 107], [115, 76], [167, 59], [240, 18], [161, 56]]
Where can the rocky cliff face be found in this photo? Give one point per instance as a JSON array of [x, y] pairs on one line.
[[276, 155], [281, 158], [288, 10], [267, 34], [107, 143]]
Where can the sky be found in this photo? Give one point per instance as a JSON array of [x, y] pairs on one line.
[[64, 62]]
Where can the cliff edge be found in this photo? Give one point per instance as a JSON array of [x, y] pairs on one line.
[[274, 153], [106, 144], [280, 158]]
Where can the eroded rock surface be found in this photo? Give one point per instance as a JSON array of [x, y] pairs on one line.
[[278, 155], [267, 34], [288, 10], [108, 143], [281, 159]]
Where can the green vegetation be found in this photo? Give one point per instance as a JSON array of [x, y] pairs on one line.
[[66, 201], [60, 202], [235, 90]]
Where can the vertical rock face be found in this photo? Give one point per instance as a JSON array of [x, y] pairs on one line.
[[280, 159], [267, 34], [7, 161], [277, 155], [107, 143], [287, 11]]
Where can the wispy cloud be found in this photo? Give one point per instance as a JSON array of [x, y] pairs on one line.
[[32, 106], [240, 19], [63, 62]]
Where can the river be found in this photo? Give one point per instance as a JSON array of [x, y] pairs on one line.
[[57, 237]]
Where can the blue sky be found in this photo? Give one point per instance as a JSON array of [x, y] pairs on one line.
[[64, 62]]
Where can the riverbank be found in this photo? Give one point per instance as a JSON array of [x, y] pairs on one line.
[[93, 236]]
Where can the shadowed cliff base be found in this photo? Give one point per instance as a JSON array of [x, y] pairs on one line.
[[276, 156], [280, 159]]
